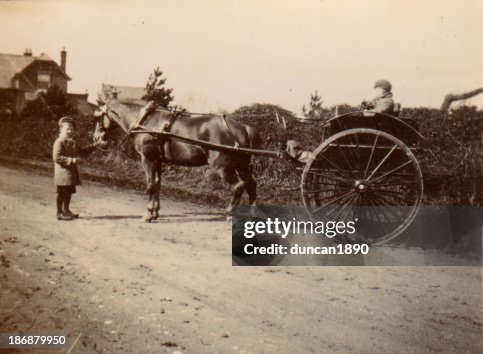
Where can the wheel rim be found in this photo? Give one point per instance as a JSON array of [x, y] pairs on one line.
[[364, 175]]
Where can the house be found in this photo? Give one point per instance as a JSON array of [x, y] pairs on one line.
[[23, 76]]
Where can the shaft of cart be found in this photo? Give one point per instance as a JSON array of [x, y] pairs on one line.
[[213, 146]]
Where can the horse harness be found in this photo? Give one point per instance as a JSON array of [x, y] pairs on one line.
[[151, 107], [144, 113]]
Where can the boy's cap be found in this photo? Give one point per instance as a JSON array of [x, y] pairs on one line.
[[66, 120], [384, 84]]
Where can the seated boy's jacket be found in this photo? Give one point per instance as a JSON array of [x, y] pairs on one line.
[[384, 104], [64, 153]]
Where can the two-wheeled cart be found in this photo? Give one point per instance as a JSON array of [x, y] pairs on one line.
[[364, 170]]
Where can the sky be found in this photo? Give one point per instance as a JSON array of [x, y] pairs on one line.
[[222, 54]]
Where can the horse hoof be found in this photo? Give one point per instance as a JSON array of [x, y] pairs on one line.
[[146, 218], [154, 216]]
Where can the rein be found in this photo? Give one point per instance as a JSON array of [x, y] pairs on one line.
[[213, 114]]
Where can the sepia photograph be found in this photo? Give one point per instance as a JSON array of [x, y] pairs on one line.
[[241, 176]]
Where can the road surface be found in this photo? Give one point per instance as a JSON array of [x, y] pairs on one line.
[[123, 286]]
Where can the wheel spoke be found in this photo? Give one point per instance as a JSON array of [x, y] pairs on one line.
[[382, 162], [402, 183], [386, 206], [327, 183], [339, 213], [358, 197], [311, 191], [390, 172], [348, 164], [378, 217], [344, 191], [397, 199], [370, 156], [338, 169], [336, 200], [333, 201], [389, 202], [389, 191], [356, 153], [335, 178]]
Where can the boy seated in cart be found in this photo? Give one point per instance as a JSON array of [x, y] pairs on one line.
[[382, 103]]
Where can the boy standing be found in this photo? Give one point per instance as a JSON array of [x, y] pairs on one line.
[[66, 175]]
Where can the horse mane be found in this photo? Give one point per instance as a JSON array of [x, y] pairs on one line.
[[124, 104], [137, 104], [132, 102]]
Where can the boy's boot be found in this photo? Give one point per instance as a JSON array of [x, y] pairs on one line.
[[70, 214], [63, 216]]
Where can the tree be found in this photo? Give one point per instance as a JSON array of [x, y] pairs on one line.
[[450, 98], [315, 110], [156, 91], [51, 104]]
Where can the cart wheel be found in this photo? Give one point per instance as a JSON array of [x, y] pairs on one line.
[[366, 176]]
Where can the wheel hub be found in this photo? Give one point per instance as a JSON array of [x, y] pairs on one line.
[[361, 186]]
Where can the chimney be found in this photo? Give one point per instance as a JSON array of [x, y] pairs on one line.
[[63, 59], [27, 53]]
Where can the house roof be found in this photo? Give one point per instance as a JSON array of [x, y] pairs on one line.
[[10, 65], [125, 92], [13, 64]]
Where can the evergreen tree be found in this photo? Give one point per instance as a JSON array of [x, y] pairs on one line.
[[315, 110], [156, 91]]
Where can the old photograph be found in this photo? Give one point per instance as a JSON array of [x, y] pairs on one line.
[[241, 176]]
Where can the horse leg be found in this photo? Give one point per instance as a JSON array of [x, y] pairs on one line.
[[157, 181], [150, 172], [250, 184], [230, 176]]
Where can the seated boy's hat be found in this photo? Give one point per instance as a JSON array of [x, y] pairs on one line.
[[384, 84], [66, 120]]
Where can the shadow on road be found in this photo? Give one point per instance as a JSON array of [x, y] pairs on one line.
[[111, 217], [164, 219]]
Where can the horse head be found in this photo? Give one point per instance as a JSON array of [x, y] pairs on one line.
[[104, 122]]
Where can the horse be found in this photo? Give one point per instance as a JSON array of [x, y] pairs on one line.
[[154, 149]]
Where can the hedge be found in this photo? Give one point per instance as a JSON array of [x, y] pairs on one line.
[[450, 155]]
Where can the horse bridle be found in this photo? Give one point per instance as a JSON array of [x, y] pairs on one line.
[[100, 114], [101, 131]]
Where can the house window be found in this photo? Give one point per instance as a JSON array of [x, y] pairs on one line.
[[43, 80]]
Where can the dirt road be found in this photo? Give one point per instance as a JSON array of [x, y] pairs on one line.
[[169, 286]]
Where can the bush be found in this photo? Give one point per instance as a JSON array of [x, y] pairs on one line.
[[50, 105], [27, 139], [451, 153]]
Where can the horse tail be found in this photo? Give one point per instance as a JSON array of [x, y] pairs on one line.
[[253, 137]]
